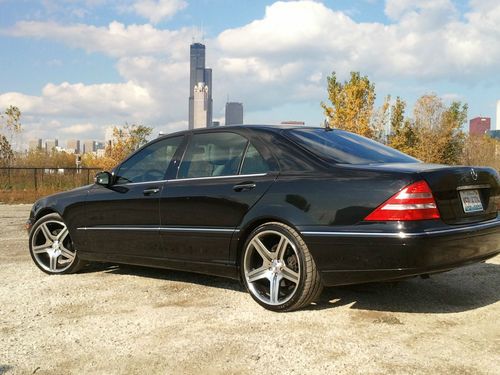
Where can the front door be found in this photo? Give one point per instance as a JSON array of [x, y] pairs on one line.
[[124, 219]]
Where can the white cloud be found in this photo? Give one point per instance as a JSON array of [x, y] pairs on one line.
[[78, 129], [155, 11], [284, 57], [116, 40]]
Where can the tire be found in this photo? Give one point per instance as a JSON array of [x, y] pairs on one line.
[[51, 247], [278, 270]]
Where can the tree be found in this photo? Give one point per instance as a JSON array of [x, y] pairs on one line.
[[6, 153], [481, 150], [403, 136], [10, 125], [351, 104], [439, 138], [127, 140]]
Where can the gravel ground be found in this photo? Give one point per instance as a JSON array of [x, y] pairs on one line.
[[123, 319]]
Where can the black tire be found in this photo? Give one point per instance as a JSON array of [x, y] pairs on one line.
[[52, 258], [289, 253]]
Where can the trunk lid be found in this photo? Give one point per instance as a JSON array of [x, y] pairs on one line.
[[464, 194], [452, 186]]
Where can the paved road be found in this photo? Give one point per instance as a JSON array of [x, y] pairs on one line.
[[112, 319]]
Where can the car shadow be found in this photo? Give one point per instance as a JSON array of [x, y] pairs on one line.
[[166, 274], [459, 290], [463, 289]]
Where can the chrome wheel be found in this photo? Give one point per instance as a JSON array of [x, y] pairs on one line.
[[272, 267], [52, 247]]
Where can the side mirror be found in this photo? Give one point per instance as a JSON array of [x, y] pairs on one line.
[[103, 178]]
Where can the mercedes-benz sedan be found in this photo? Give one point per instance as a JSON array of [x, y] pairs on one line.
[[287, 210]]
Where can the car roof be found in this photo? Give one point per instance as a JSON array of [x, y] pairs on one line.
[[273, 128]]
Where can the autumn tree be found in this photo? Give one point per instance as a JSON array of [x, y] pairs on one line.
[[402, 135], [126, 140], [439, 138], [10, 126], [481, 150], [351, 104]]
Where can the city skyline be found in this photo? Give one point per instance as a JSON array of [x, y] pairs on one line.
[[75, 68]]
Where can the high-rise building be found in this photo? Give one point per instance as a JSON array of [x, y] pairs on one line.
[[51, 144], [479, 125], [200, 106], [88, 146], [497, 127], [199, 74], [234, 113], [215, 124], [73, 144], [35, 144]]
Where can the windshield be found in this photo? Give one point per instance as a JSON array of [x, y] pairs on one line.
[[344, 147]]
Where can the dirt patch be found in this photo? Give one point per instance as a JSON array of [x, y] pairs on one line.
[[127, 320]]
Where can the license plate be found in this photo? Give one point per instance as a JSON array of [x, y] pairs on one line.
[[471, 201]]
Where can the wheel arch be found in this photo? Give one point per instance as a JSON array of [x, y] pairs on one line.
[[45, 211], [250, 226]]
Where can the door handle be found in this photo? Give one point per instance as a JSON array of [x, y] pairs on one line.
[[244, 186], [151, 191]]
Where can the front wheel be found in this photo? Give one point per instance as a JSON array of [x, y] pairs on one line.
[[278, 269], [51, 247]]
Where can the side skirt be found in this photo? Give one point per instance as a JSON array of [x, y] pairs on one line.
[[215, 269]]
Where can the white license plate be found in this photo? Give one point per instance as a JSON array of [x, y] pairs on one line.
[[471, 201]]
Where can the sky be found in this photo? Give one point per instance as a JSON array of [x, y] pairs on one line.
[[76, 67]]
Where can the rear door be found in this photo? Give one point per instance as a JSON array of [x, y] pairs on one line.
[[221, 176]]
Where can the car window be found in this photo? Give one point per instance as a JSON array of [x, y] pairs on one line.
[[343, 147], [253, 162], [149, 164], [212, 154]]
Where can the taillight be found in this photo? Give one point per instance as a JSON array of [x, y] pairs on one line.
[[414, 202]]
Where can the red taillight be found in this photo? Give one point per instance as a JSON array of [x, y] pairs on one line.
[[414, 202]]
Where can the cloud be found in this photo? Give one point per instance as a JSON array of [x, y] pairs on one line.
[[283, 57], [116, 40], [155, 11], [78, 129]]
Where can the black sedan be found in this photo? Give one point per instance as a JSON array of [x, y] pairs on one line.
[[287, 210]]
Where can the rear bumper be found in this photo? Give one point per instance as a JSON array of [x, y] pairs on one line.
[[358, 257]]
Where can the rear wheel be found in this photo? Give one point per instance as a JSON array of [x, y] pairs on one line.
[[51, 247], [278, 269]]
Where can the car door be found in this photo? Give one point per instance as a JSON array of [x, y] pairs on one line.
[[123, 219], [221, 176]]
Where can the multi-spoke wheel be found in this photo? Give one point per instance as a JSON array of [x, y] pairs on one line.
[[51, 247], [278, 270]]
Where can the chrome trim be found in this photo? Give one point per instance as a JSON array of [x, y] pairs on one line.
[[496, 223], [165, 229], [219, 177], [470, 187]]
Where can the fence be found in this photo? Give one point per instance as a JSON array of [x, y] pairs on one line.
[[21, 184]]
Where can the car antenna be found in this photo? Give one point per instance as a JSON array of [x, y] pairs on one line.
[[327, 126]]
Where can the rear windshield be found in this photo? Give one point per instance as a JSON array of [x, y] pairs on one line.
[[343, 147]]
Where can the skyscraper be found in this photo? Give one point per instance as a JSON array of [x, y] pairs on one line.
[[200, 106], [51, 144], [234, 113], [73, 144], [199, 74], [35, 144]]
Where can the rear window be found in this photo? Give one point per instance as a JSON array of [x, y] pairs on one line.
[[343, 147]]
